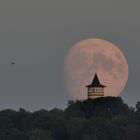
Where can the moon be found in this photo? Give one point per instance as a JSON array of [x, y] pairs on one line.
[[91, 56]]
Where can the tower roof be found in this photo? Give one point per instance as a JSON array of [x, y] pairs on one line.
[[95, 82]]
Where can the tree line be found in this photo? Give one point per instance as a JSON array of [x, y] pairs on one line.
[[106, 118]]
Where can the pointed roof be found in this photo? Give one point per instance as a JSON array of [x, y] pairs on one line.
[[95, 82]]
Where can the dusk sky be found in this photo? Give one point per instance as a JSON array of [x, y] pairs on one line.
[[37, 36]]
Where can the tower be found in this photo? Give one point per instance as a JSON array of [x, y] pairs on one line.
[[95, 89]]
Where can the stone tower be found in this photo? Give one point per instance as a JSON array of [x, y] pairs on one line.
[[95, 89]]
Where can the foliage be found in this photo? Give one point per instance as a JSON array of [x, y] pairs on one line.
[[106, 118]]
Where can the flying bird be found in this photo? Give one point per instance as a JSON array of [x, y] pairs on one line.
[[12, 63]]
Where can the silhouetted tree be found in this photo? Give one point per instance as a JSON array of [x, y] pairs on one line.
[[106, 118]]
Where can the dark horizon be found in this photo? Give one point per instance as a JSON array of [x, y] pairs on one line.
[[101, 119]]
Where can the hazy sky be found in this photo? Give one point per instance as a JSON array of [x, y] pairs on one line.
[[37, 34]]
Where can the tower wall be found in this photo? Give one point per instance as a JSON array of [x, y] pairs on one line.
[[96, 92]]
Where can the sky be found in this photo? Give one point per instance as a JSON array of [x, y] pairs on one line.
[[37, 36]]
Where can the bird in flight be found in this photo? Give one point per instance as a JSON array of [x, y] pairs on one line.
[[12, 63]]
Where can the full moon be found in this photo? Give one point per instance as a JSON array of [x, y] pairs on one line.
[[92, 56]]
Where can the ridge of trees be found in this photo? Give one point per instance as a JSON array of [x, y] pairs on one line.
[[107, 118]]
